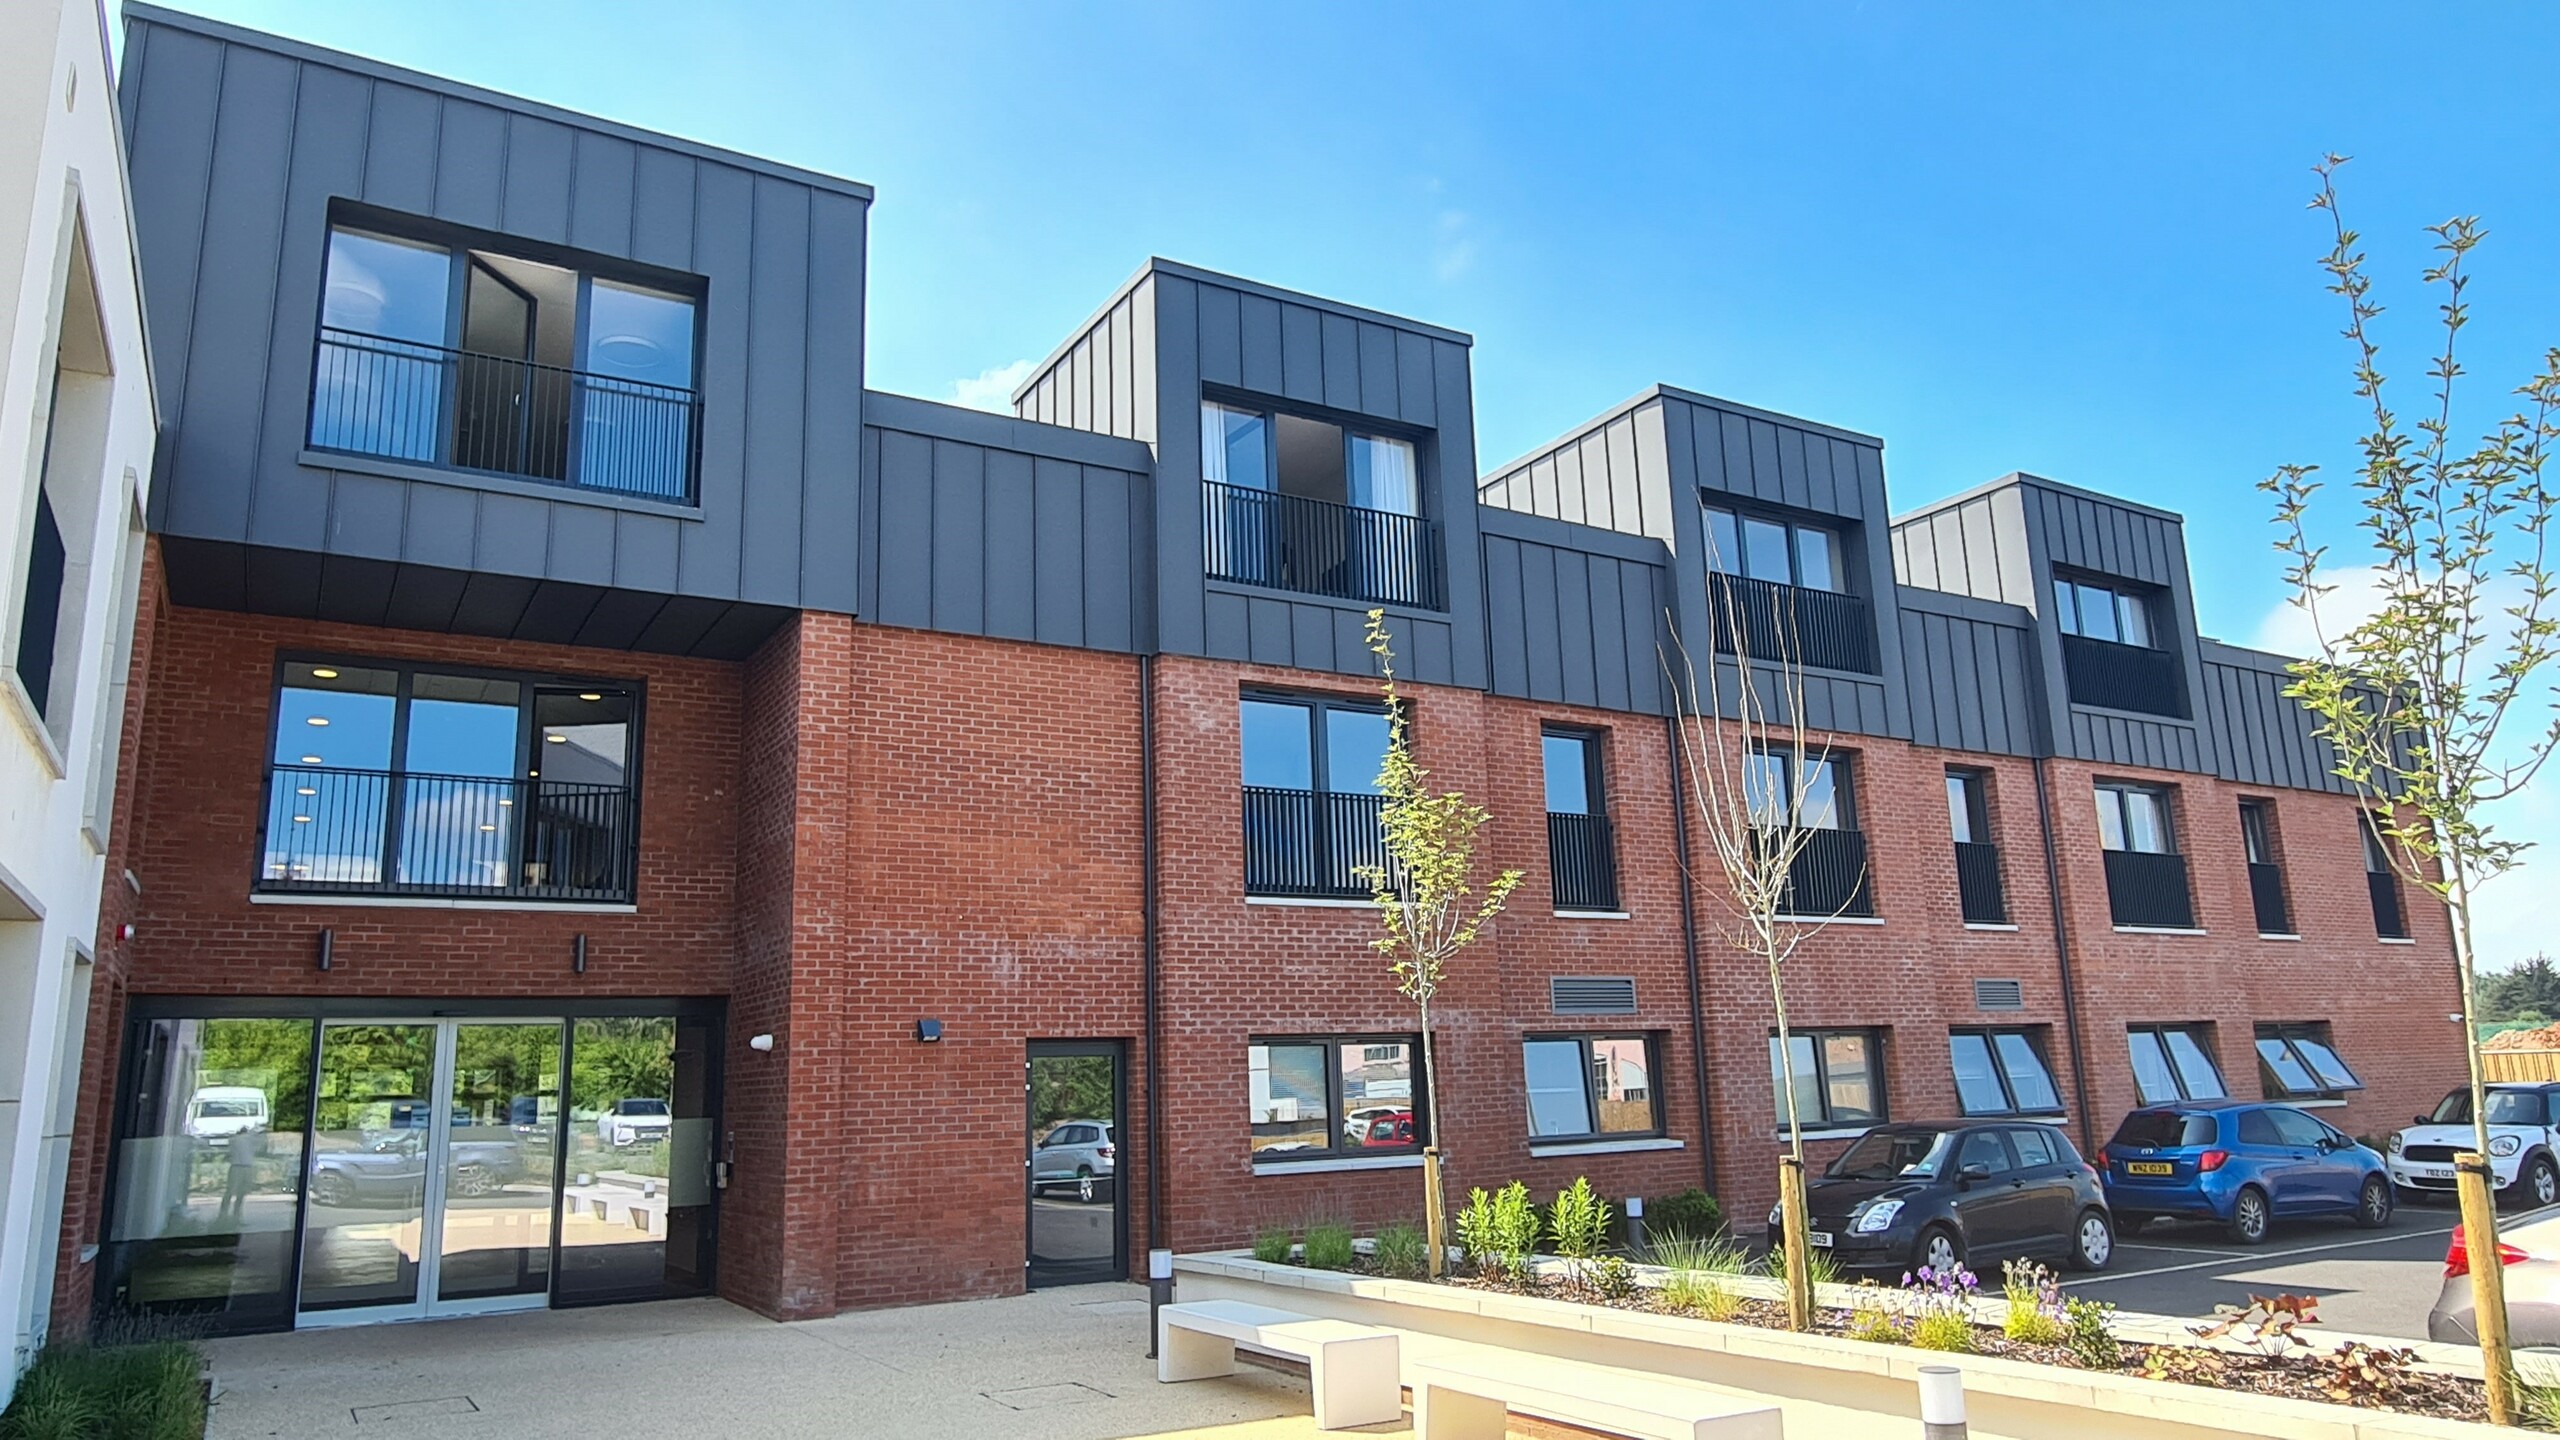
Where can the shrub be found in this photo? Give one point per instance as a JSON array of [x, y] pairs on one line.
[[1272, 1245], [1613, 1279], [1401, 1250], [1714, 1255], [2089, 1335], [1692, 1214], [2035, 1304], [1498, 1231], [1329, 1247], [1579, 1221], [149, 1391], [1942, 1331], [1871, 1321]]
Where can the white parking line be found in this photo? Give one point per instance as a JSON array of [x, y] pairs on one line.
[[2262, 1257]]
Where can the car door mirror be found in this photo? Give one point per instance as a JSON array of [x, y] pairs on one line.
[[1971, 1173], [2418, 1120]]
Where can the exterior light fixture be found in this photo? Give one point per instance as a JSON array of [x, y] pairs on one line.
[[310, 759], [328, 949], [315, 719], [485, 828], [304, 790], [578, 954], [301, 819], [929, 1031], [503, 800], [556, 738]]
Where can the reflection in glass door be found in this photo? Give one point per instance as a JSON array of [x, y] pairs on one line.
[[1073, 1169], [366, 1186], [493, 1221]]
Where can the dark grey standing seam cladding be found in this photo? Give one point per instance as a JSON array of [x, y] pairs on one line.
[[241, 146]]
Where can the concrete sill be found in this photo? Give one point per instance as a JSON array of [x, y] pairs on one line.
[[2316, 1104], [1829, 1132], [22, 708], [2272, 935], [2397, 939], [1334, 1167], [1973, 925], [2155, 930], [1538, 1151], [1833, 919], [1294, 902], [429, 902], [1593, 915]]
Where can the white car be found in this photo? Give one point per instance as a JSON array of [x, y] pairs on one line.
[[215, 1113], [1075, 1155], [2524, 1138], [635, 1121]]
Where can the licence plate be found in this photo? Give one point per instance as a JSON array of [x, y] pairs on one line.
[[1821, 1239], [2149, 1167], [2434, 1172]]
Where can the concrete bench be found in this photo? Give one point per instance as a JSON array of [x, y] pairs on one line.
[[1469, 1399], [1350, 1368]]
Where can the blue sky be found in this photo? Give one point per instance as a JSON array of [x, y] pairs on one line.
[[1999, 236]]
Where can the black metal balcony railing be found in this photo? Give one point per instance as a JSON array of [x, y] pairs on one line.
[[1829, 876], [1978, 886], [2266, 895], [2123, 677], [2388, 921], [1311, 845], [1316, 547], [1822, 628], [373, 832], [1583, 860], [2149, 890], [401, 400]]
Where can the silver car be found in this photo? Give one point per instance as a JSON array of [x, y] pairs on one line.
[[1075, 1155], [2531, 1253]]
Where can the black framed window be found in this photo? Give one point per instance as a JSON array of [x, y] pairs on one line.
[[1311, 801], [1782, 552], [465, 351], [1581, 855], [1979, 890], [1828, 876], [2146, 876], [2135, 819], [1839, 1077], [2103, 612], [2003, 1072], [2266, 873], [2381, 880], [433, 780], [1335, 1097], [2297, 1062], [1591, 1087], [2173, 1063], [1301, 503]]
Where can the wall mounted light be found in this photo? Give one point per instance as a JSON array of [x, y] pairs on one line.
[[762, 1042], [929, 1031], [328, 949]]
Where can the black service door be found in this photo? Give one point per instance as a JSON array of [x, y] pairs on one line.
[[1073, 1173]]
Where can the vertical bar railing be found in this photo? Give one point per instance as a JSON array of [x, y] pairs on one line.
[[1583, 861], [1978, 885], [2388, 920], [377, 832], [1828, 876], [2266, 897], [2147, 890], [2114, 676], [1310, 844], [1822, 628], [1317, 547]]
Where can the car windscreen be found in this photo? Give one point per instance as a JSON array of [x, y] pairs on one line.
[[2164, 1130], [2506, 1107], [641, 1107], [1892, 1155], [248, 1109]]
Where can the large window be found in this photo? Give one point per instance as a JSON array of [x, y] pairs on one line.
[[1580, 856], [1839, 1077], [2146, 876], [1311, 801], [1828, 876], [2102, 612], [1777, 590], [2173, 1063], [396, 780], [2297, 1062], [2114, 655], [1591, 1087], [1335, 1097], [466, 356], [1306, 504], [2381, 881], [1782, 552], [2002, 1072]]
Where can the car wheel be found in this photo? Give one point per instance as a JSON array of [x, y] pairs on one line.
[[1939, 1249], [1084, 1183], [331, 1189], [472, 1180], [2249, 1216], [2093, 1241], [2539, 1185], [2373, 1206]]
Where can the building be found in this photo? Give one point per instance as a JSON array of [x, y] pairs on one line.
[[77, 428], [622, 809]]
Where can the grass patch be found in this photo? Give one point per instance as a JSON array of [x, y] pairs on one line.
[[1401, 1251], [151, 1391], [1329, 1247], [1272, 1245]]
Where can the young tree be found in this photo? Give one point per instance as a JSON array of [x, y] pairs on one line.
[[1762, 786], [2430, 703], [1426, 901]]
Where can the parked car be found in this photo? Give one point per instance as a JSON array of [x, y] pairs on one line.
[[2524, 1135], [2530, 1256], [215, 1113], [1075, 1154], [1959, 1191], [2241, 1164], [635, 1120], [1384, 1129], [388, 1167]]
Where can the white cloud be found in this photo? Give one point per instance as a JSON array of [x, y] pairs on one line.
[[990, 389], [2288, 629], [1453, 250]]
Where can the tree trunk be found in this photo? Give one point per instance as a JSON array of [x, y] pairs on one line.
[[1791, 1212]]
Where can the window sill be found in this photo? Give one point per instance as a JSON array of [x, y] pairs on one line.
[[22, 708], [1832, 919], [2158, 930], [2023, 1117], [437, 902], [1541, 1150], [2397, 939], [504, 485], [1829, 1132], [1593, 915], [1979, 925], [1310, 902], [2277, 935], [1337, 1166]]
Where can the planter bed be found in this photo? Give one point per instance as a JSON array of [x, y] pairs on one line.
[[2014, 1389]]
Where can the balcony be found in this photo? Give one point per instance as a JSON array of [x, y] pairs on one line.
[[461, 837], [1583, 860], [1829, 876], [2266, 896], [1978, 887], [2112, 676], [1310, 845], [2388, 921], [1821, 628], [428, 405], [2148, 890], [1318, 547]]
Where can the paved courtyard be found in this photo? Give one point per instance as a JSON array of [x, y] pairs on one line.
[[1066, 1364]]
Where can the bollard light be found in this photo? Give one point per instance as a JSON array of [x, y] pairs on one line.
[[1942, 1403], [1159, 1291]]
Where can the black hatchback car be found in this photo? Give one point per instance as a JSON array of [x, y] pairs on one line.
[[1961, 1191]]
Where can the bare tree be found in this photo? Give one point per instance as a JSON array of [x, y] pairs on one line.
[[2413, 700], [1425, 894], [1762, 783]]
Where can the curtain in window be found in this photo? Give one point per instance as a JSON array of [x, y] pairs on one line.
[[1383, 485], [1234, 455]]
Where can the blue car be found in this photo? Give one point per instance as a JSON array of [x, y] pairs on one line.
[[2241, 1164]]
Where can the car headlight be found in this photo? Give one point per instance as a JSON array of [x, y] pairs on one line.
[[2503, 1146], [2395, 1142], [1777, 1215], [1876, 1215]]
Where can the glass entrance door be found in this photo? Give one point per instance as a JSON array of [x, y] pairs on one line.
[[433, 1169], [1073, 1169]]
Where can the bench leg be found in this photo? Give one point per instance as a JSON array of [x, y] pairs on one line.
[[1444, 1414], [1183, 1354], [1354, 1382]]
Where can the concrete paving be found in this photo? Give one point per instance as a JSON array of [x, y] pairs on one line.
[[1065, 1364]]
